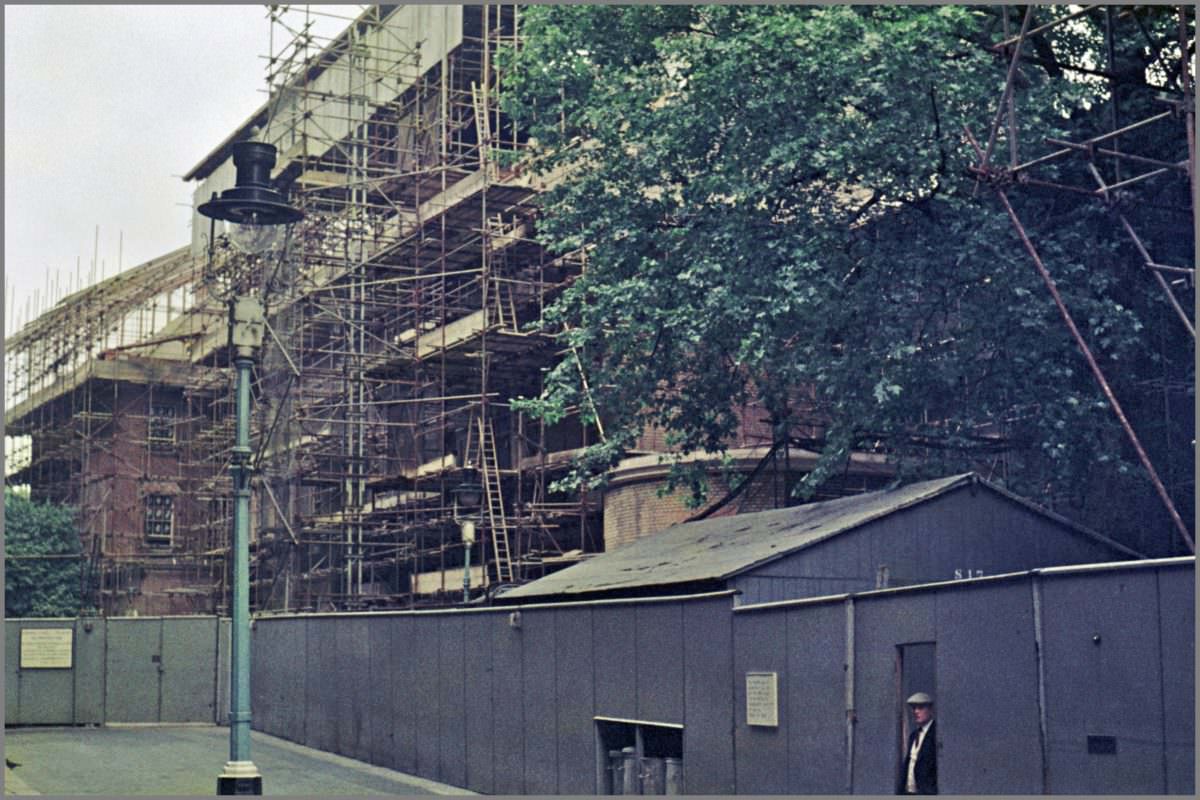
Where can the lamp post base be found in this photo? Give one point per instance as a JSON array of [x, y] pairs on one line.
[[239, 777]]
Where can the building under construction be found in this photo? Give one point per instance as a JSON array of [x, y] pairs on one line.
[[401, 316], [400, 312]]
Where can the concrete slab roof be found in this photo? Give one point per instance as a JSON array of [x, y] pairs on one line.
[[720, 548]]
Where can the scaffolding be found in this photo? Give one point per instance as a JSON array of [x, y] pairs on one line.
[[401, 315], [1141, 167], [99, 396], [398, 320]]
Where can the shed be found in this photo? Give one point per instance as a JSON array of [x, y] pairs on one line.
[[951, 528]]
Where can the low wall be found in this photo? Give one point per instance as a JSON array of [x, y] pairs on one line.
[[1066, 680], [95, 670]]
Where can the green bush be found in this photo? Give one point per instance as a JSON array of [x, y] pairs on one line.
[[41, 553]]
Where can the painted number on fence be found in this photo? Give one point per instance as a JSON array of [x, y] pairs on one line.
[[46, 648], [762, 699]]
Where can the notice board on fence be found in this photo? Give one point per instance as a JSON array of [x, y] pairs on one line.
[[46, 648], [762, 699]]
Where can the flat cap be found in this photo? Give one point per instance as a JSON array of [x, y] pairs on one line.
[[920, 699]]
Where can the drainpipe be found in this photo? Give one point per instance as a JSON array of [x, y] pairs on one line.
[[1038, 646], [851, 716]]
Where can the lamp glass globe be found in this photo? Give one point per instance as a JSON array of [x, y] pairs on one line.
[[254, 239]]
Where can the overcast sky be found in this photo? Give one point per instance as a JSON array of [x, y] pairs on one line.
[[105, 108]]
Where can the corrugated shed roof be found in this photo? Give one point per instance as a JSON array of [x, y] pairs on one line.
[[716, 549]]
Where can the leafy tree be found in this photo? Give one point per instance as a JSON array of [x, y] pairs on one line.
[[41, 549], [777, 199]]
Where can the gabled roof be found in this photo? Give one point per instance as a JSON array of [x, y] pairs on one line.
[[720, 548]]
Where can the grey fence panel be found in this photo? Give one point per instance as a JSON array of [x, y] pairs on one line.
[[264, 676], [134, 670], [405, 701], [426, 697], [614, 639], [479, 677], [453, 702], [349, 686], [659, 656], [708, 763], [1177, 626], [882, 623], [123, 670], [90, 637], [761, 752], [574, 689], [1102, 649], [12, 673], [379, 697], [541, 741], [815, 705], [321, 725], [987, 703], [268, 677], [508, 707], [508, 710], [290, 681], [45, 696], [189, 676]]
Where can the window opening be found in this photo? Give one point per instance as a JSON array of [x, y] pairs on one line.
[[639, 757], [162, 427], [160, 519]]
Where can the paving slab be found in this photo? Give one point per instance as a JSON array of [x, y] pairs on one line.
[[184, 760]]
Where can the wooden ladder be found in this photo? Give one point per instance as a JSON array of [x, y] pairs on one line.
[[489, 467], [483, 128], [505, 306]]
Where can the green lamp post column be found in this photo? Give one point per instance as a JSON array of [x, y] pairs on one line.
[[241, 776], [251, 208]]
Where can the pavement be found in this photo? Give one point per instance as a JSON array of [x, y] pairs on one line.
[[184, 760]]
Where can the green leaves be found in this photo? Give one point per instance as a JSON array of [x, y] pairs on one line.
[[774, 205], [42, 569]]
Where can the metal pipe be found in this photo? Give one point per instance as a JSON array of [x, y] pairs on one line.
[[1162, 282], [1008, 86], [851, 714], [1006, 42], [1181, 166], [466, 565], [1131, 127], [1185, 86], [1095, 367], [1169, 268], [1039, 654], [1136, 178], [1110, 59]]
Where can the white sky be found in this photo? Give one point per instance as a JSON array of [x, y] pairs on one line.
[[105, 108]]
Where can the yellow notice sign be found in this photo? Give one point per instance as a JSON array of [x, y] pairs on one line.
[[46, 648]]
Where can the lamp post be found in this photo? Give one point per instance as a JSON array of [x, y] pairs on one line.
[[468, 497], [253, 204]]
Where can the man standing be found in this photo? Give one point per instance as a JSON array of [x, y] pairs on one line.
[[918, 772]]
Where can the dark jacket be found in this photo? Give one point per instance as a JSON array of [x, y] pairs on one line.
[[926, 769]]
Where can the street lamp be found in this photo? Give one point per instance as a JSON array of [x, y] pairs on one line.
[[468, 499], [251, 203]]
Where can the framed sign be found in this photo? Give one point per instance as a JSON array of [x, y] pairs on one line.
[[46, 648], [762, 699]]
